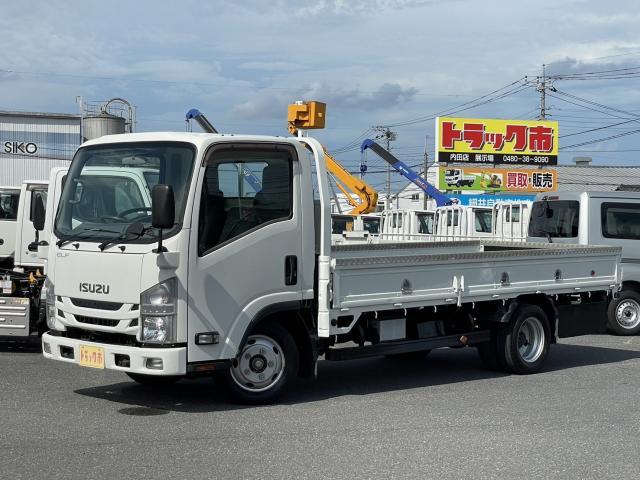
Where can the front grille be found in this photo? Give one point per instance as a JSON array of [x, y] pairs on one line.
[[95, 304], [103, 322], [100, 337]]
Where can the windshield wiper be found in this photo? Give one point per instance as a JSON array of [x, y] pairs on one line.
[[133, 232], [80, 235]]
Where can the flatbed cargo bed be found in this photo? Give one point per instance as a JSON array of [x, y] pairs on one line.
[[404, 275]]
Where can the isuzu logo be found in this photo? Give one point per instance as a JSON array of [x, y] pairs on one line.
[[94, 288]]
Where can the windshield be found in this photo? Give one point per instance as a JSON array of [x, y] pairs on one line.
[[483, 220], [372, 225], [425, 222], [341, 224], [556, 219], [109, 187]]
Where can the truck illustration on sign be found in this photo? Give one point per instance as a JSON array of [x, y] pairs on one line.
[[456, 177]]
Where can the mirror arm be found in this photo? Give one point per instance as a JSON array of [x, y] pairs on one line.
[[161, 248]]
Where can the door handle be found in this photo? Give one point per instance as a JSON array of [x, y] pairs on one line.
[[290, 270]]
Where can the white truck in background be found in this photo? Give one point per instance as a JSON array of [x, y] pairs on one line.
[[406, 225], [217, 279], [358, 228], [9, 201], [22, 311], [597, 218], [506, 221], [26, 243]]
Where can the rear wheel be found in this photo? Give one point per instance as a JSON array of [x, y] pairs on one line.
[[266, 366], [156, 380], [624, 313], [523, 345]]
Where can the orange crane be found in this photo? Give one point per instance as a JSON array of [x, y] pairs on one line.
[[311, 115]]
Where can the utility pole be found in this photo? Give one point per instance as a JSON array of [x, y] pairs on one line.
[[542, 84], [426, 166], [543, 94], [388, 136]]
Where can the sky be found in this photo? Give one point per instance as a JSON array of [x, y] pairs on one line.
[[376, 62]]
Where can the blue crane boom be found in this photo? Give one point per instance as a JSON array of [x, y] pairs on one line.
[[440, 198]]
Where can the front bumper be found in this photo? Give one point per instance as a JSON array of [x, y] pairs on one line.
[[174, 360]]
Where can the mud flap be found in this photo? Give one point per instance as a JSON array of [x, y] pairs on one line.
[[582, 318]]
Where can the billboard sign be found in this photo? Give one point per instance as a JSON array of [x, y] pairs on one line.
[[497, 179], [491, 141]]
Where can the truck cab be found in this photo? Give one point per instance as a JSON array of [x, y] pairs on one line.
[[9, 204], [511, 220], [26, 256], [597, 218], [354, 228], [407, 224], [460, 222]]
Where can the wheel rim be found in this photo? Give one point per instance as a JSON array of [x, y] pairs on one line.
[[531, 339], [260, 365], [628, 314]]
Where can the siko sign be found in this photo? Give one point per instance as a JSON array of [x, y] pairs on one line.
[[20, 148]]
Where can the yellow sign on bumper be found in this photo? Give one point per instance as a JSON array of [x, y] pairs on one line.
[[92, 357]]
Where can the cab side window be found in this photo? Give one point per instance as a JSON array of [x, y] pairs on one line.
[[621, 220], [243, 190], [9, 205]]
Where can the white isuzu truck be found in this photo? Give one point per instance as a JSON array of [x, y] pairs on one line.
[[215, 278]]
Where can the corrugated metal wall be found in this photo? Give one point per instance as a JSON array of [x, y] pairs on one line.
[[31, 144]]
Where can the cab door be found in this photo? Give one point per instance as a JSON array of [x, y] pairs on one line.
[[26, 245], [246, 243]]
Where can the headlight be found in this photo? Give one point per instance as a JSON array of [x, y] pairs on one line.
[[158, 312], [50, 299]]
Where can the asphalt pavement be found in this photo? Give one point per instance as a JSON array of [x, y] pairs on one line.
[[443, 417]]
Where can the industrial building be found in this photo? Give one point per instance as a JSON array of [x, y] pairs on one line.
[[32, 143]]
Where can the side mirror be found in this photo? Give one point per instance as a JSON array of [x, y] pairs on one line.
[[163, 206], [38, 213]]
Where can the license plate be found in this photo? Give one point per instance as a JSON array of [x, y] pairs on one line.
[[92, 357]]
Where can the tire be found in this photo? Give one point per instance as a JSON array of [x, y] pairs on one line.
[[409, 356], [523, 345], [265, 368], [623, 314], [154, 380]]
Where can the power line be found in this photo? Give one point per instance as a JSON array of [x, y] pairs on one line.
[[457, 108], [598, 140], [585, 106]]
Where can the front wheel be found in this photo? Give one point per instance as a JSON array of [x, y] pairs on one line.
[[623, 313], [266, 366], [523, 345]]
